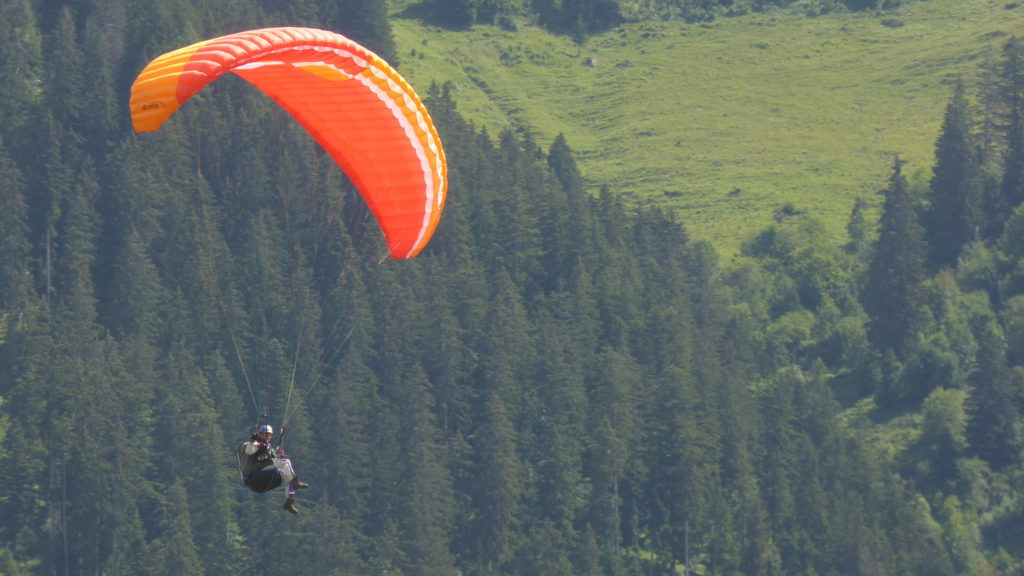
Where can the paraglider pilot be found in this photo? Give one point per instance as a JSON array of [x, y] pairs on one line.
[[264, 467]]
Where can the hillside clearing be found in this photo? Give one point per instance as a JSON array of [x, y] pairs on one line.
[[726, 122]]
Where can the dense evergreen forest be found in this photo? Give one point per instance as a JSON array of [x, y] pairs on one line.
[[562, 383]]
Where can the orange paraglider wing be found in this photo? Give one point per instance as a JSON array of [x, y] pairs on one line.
[[353, 103]]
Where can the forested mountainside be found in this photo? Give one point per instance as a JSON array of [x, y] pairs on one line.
[[562, 383]]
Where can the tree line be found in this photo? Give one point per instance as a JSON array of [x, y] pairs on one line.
[[583, 17], [563, 383]]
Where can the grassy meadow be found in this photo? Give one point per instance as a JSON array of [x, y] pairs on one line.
[[727, 121]]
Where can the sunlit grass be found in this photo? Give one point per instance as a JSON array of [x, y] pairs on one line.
[[727, 121]]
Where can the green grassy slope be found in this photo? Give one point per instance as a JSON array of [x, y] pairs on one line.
[[727, 121]]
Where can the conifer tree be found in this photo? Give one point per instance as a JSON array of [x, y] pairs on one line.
[[681, 467], [557, 424], [323, 543], [615, 277], [448, 360], [1013, 168], [264, 269], [499, 487], [893, 296], [426, 508], [174, 552], [50, 182], [136, 292], [93, 476], [607, 463], [508, 350], [562, 163], [187, 416], [207, 271], [454, 13], [781, 435], [1013, 164], [396, 315], [858, 229], [517, 238], [614, 442], [77, 231], [544, 550], [346, 430], [995, 429], [26, 368], [955, 216], [99, 108], [1011, 242], [567, 216], [66, 81], [366, 22], [587, 558], [15, 281], [20, 66]]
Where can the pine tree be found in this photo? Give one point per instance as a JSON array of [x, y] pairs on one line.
[[499, 487], [956, 213], [136, 291], [583, 16], [544, 550], [366, 22], [346, 434], [615, 277], [994, 429], [348, 423], [517, 234], [174, 552], [454, 13], [51, 180], [1011, 243], [562, 163], [322, 543], [66, 82], [1012, 186], [557, 424], [99, 123], [20, 66], [447, 360], [1002, 96], [607, 464], [614, 439], [187, 416], [508, 349], [893, 296], [94, 478], [77, 234], [858, 229], [587, 558], [26, 367], [427, 507], [15, 281], [565, 219], [1013, 165], [678, 455]]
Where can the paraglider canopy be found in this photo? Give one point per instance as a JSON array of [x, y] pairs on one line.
[[352, 102]]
